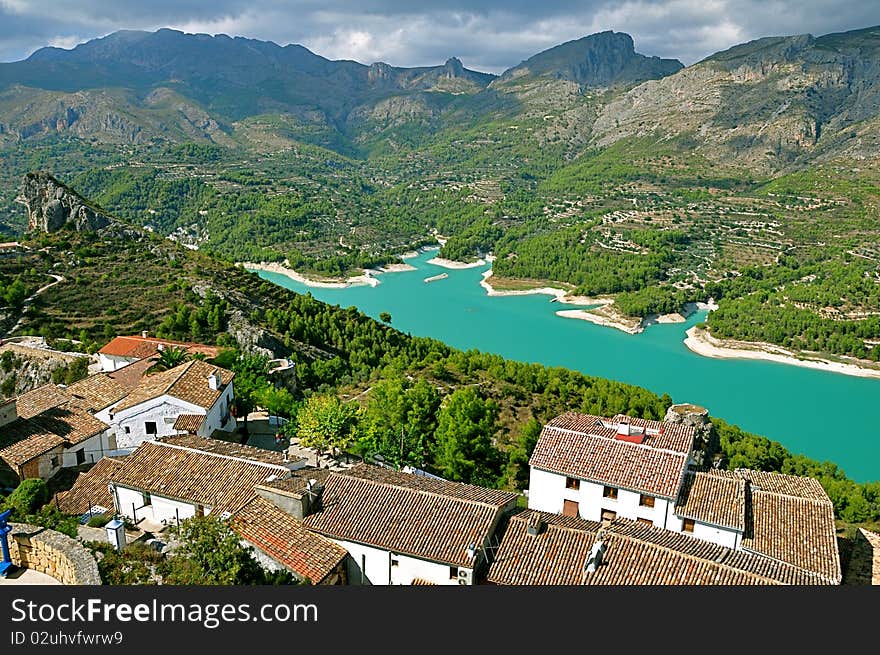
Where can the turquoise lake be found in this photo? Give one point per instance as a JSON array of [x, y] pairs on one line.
[[826, 416]]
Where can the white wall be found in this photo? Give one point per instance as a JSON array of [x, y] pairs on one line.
[[156, 410], [214, 418], [94, 449], [712, 533], [372, 566], [547, 493], [159, 509], [113, 362]]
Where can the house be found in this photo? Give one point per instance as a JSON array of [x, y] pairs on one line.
[[599, 469], [152, 409], [166, 481], [124, 350], [170, 480], [539, 548], [42, 432], [400, 528]]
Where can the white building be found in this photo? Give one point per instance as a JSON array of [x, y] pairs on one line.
[[600, 469], [152, 409], [404, 529], [125, 350], [42, 432]]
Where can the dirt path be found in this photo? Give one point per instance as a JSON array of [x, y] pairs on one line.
[[29, 299]]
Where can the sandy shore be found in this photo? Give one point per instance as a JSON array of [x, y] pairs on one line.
[[396, 268], [702, 343], [448, 263], [561, 295], [606, 317], [366, 279]]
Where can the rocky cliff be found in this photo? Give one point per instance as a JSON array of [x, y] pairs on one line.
[[51, 205]]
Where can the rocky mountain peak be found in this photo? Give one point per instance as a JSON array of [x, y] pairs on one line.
[[51, 205], [453, 68]]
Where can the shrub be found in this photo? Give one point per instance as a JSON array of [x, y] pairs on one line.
[[28, 497]]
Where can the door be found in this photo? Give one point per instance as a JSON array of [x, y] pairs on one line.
[[569, 508]]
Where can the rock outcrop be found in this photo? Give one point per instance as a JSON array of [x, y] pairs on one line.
[[51, 205], [705, 444]]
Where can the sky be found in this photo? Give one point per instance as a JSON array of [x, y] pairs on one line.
[[488, 35]]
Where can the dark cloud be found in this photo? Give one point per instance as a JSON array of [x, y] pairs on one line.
[[486, 35]]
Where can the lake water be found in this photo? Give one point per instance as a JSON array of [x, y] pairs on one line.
[[826, 416]]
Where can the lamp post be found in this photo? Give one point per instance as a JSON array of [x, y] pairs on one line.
[[5, 529]]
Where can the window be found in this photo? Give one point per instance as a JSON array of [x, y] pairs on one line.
[[146, 498], [688, 526], [608, 515], [81, 456], [610, 492], [569, 508], [150, 427], [646, 501], [55, 462], [395, 561], [127, 430], [453, 572], [572, 483]]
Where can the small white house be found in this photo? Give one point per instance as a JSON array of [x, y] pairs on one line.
[[598, 469], [194, 388], [166, 482], [404, 529], [124, 350]]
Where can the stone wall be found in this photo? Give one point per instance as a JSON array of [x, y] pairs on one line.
[[52, 553]]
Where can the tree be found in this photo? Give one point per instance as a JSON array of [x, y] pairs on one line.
[[250, 381], [400, 419], [29, 496], [385, 317], [463, 449], [326, 423], [170, 357], [211, 553], [518, 457]]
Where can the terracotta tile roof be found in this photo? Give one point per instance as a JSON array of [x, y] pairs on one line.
[[21, 441], [70, 423], [282, 537], [796, 530], [578, 445], [90, 488], [40, 399], [433, 485], [140, 347], [662, 434], [187, 382], [402, 516], [222, 482], [421, 582], [130, 376], [716, 498], [788, 485], [25, 439], [189, 422], [230, 448], [96, 392], [298, 480], [636, 554]]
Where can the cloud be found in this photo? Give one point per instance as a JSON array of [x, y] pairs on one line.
[[487, 35]]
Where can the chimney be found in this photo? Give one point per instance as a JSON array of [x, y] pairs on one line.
[[594, 560], [8, 411], [214, 381], [535, 524], [298, 504], [626, 432], [144, 334]]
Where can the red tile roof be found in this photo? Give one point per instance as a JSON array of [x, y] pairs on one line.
[[23, 440], [187, 382], [90, 488], [400, 513], [282, 537], [635, 554], [222, 482], [713, 497], [140, 347], [39, 400], [581, 446], [189, 422]]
